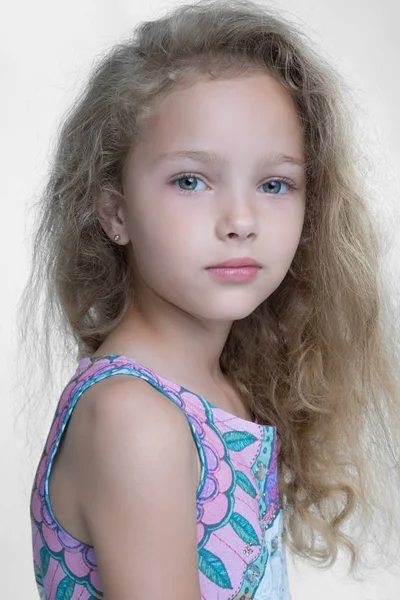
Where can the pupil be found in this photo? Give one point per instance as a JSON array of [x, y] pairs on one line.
[[274, 184], [189, 181]]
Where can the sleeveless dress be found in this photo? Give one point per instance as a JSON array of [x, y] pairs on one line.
[[241, 554]]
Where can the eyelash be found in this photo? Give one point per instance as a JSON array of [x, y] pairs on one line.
[[184, 175]]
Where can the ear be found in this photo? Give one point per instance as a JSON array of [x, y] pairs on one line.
[[112, 216]]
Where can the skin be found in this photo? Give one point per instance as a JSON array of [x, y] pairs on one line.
[[230, 210], [126, 478]]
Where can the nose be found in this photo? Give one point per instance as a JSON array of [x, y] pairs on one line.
[[237, 217]]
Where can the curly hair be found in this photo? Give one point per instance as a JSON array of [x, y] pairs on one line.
[[318, 358]]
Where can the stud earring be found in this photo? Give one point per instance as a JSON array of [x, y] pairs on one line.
[[117, 237]]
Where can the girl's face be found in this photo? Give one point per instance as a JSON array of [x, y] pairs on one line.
[[185, 212]]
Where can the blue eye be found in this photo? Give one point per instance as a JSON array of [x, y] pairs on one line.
[[277, 185], [190, 179]]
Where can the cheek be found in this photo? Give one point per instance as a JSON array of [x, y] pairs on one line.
[[164, 242], [283, 240]]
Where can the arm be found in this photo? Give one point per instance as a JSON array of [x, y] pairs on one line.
[[137, 479]]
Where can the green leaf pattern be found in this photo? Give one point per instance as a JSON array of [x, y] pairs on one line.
[[244, 529], [65, 589], [44, 559], [238, 440], [214, 569], [246, 484]]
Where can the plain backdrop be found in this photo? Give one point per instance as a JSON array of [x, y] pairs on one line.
[[47, 49]]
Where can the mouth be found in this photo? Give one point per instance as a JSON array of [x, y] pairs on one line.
[[236, 263]]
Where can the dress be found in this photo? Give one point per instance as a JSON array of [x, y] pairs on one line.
[[241, 554]]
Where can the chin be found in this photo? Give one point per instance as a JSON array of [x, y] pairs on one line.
[[230, 313]]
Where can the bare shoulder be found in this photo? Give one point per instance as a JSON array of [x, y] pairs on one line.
[[123, 396], [125, 405], [136, 472]]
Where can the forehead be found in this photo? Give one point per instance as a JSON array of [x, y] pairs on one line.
[[245, 115]]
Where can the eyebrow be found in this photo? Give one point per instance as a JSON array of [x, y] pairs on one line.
[[213, 157]]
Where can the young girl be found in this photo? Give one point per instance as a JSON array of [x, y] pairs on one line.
[[205, 242]]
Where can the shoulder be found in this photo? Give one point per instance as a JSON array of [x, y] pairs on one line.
[[123, 408], [136, 476]]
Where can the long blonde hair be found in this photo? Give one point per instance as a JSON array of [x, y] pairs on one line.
[[318, 358]]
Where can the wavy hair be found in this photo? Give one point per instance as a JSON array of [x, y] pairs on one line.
[[318, 358]]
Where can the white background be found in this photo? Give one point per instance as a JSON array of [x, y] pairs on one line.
[[47, 49]]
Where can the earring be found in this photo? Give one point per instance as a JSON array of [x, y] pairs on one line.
[[117, 237]]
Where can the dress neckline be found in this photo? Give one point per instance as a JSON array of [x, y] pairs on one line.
[[225, 414]]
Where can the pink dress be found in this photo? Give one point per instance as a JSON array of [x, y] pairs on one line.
[[241, 555]]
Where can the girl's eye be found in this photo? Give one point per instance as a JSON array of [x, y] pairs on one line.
[[189, 180], [275, 185]]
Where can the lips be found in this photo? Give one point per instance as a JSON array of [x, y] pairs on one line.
[[236, 262]]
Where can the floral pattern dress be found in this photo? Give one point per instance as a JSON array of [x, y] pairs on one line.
[[241, 555]]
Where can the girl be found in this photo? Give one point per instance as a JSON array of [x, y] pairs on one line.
[[205, 243]]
